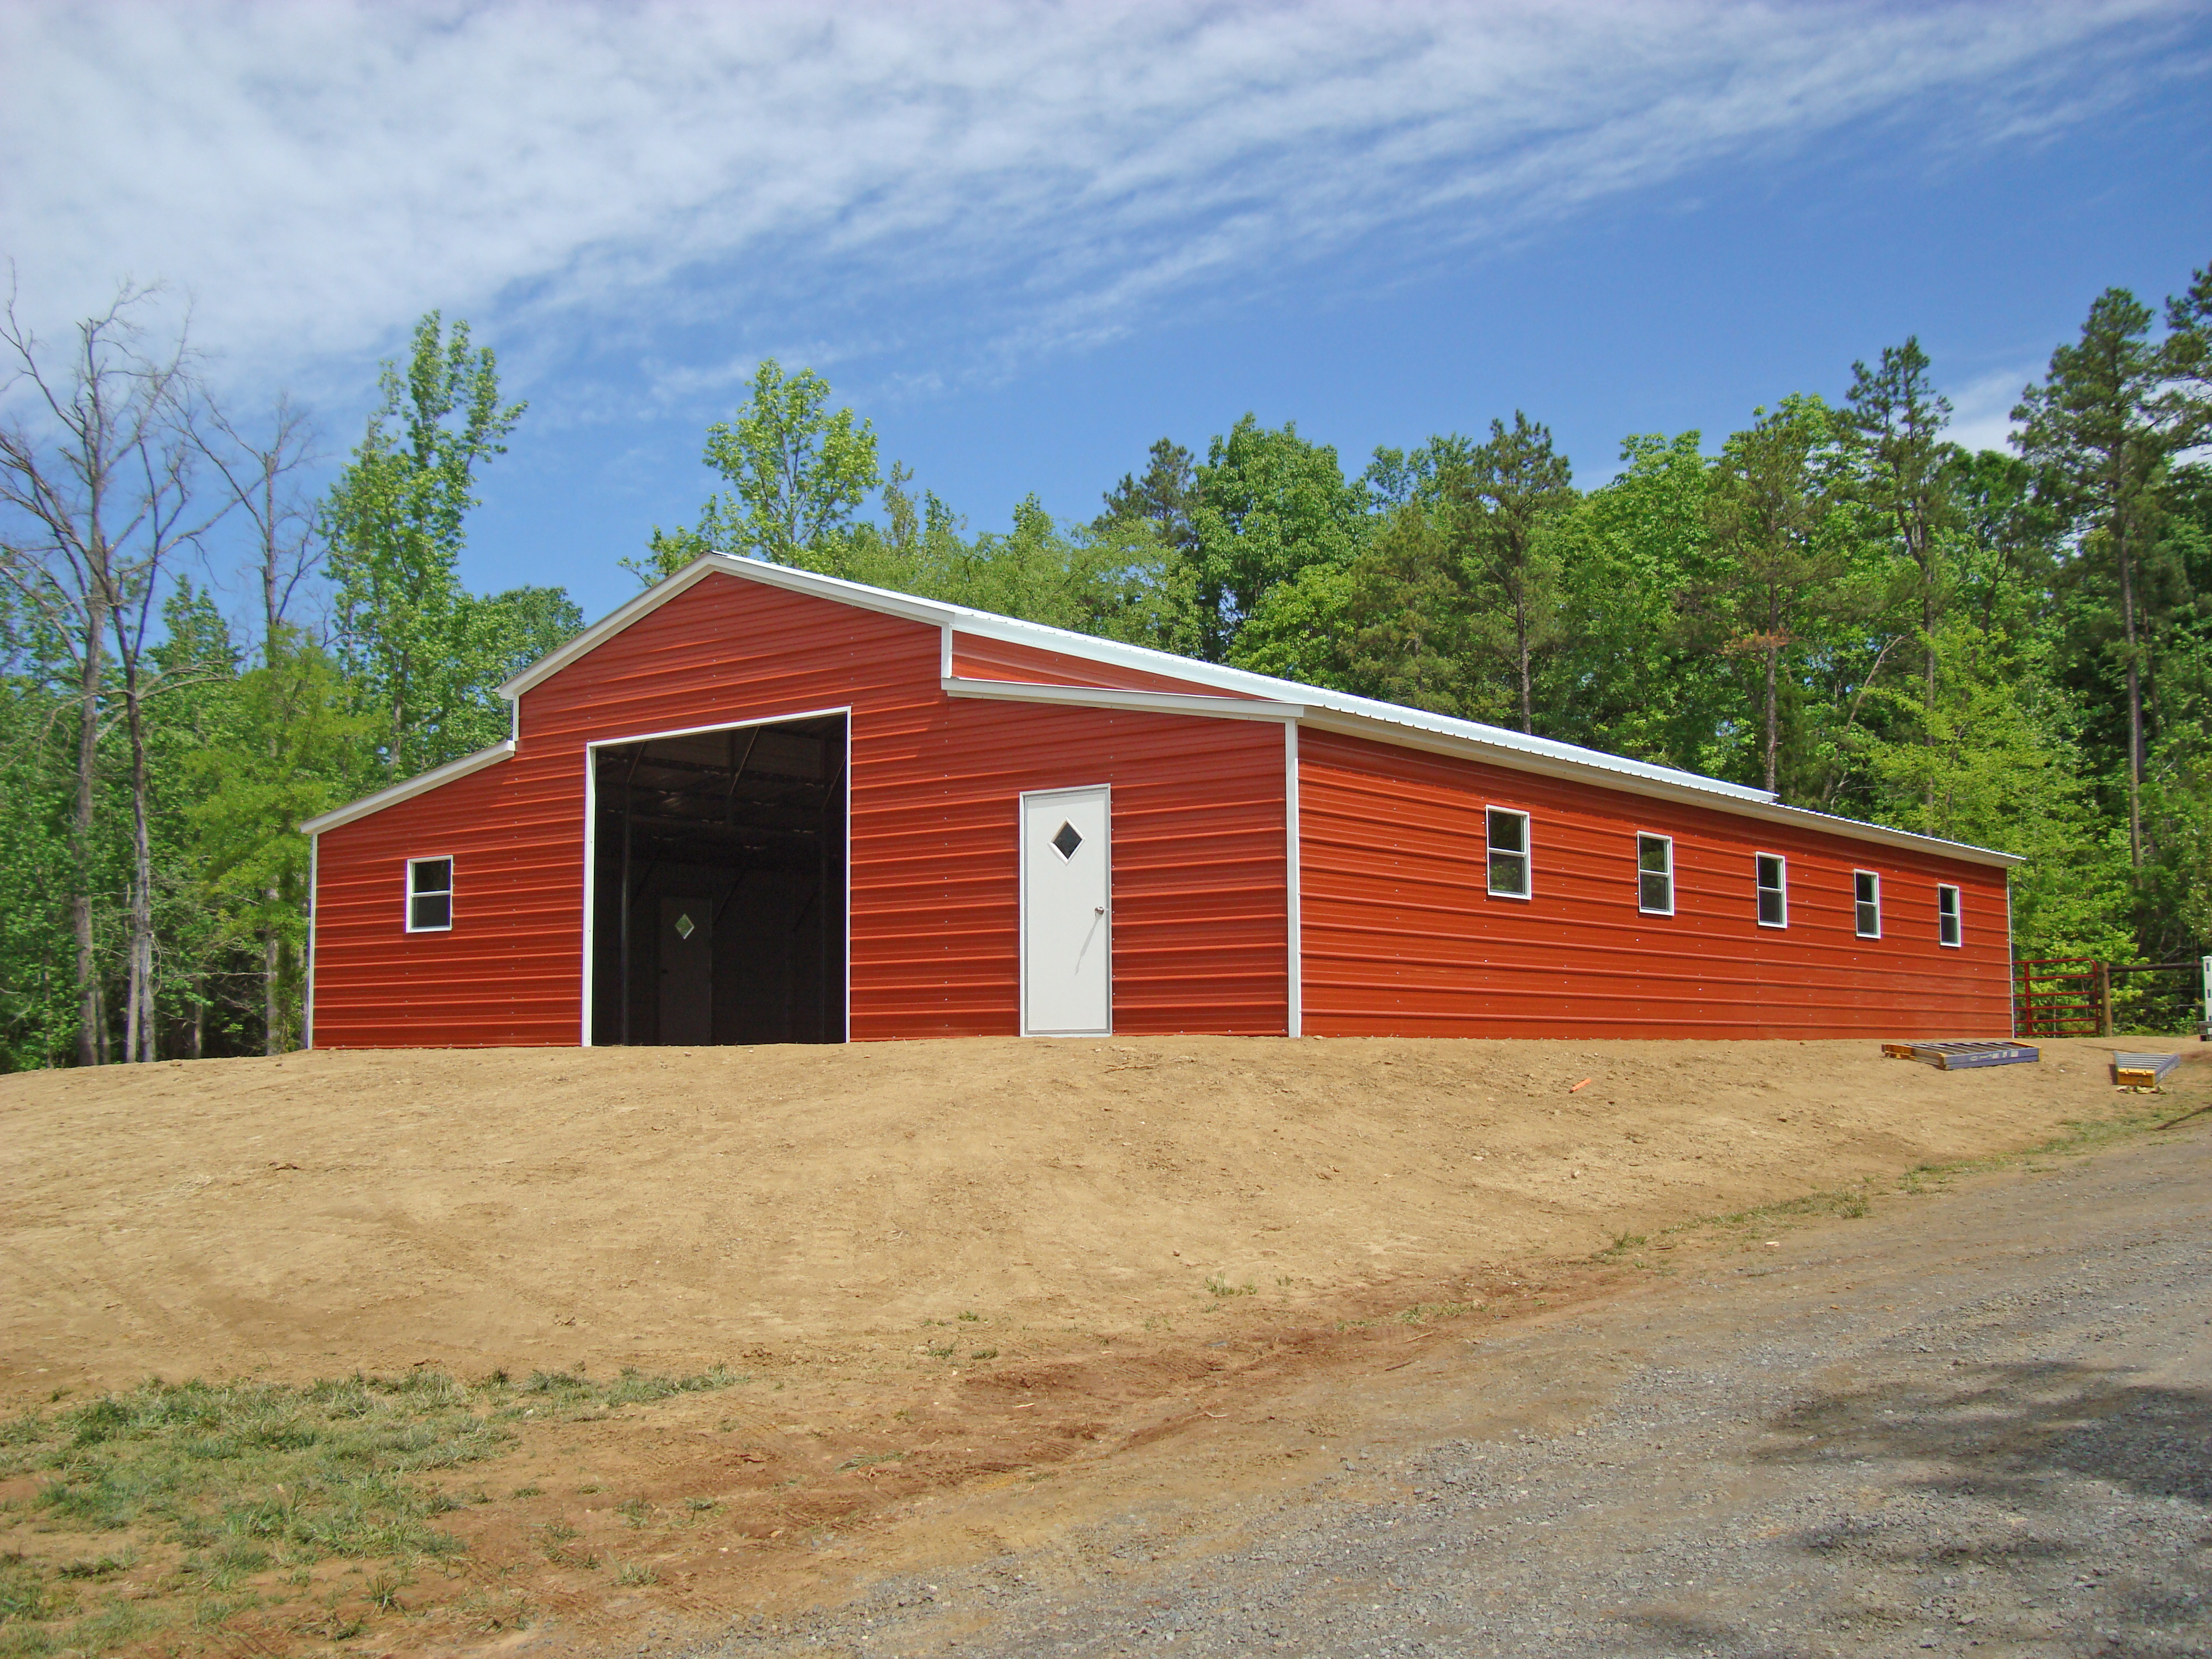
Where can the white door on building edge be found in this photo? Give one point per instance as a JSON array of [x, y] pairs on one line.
[[1067, 922]]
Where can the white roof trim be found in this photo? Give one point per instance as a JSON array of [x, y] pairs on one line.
[[859, 594], [1327, 710], [414, 787], [1153, 702], [960, 618]]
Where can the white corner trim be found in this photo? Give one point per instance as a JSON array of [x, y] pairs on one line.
[[436, 776], [1292, 883], [1147, 702], [315, 910]]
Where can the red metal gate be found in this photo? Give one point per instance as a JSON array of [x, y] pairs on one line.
[[2063, 997]]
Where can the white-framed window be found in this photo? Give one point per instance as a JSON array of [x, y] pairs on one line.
[[1654, 875], [429, 895], [1773, 877], [1950, 925], [1866, 903], [1508, 835]]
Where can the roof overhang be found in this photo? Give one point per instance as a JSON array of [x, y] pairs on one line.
[[1139, 702]]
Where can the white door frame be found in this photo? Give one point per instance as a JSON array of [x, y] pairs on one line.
[[592, 831], [1022, 903]]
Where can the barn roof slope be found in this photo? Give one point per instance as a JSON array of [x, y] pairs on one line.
[[1311, 704]]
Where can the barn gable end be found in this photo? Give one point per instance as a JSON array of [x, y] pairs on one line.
[[1200, 852]]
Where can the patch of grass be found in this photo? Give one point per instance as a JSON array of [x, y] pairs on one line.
[[105, 1567], [252, 1479], [25, 1597], [241, 1468], [635, 1510], [1222, 1287], [1421, 1312], [118, 1625], [971, 1318], [573, 1392], [868, 1458], [984, 1353], [632, 1572], [946, 1352]]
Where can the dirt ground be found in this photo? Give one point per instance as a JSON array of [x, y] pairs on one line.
[[941, 1268], [1975, 1421]]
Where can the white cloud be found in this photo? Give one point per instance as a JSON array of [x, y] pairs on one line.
[[315, 176], [1981, 410]]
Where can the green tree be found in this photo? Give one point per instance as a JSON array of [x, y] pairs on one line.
[[1629, 675], [1503, 503], [797, 472], [1270, 505], [1413, 618], [1113, 580], [408, 632], [1163, 498], [1396, 478], [513, 629], [290, 745], [1992, 761], [97, 506], [2094, 431], [1896, 462], [1304, 630], [1770, 581]]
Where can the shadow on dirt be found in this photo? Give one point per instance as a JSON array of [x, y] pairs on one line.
[[2004, 1431]]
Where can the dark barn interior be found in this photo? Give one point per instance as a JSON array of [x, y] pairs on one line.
[[719, 914]]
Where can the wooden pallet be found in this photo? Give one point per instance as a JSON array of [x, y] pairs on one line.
[[2143, 1071], [1959, 1056]]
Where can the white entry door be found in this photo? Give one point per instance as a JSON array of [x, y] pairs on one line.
[[1067, 922]]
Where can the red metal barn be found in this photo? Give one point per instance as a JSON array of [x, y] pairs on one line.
[[755, 805]]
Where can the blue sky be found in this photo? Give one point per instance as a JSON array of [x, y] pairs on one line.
[[1025, 240]]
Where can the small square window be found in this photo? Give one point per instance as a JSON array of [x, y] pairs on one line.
[[429, 895], [1654, 875], [1950, 929], [1866, 901], [1509, 853], [1774, 891]]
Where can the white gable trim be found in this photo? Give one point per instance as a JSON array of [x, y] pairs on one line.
[[858, 594], [423, 785]]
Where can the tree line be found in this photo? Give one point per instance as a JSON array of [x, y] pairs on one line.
[[1836, 602]]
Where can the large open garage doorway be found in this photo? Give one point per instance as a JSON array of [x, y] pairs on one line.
[[718, 889]]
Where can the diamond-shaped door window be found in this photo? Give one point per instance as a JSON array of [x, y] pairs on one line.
[[1066, 840], [685, 927]]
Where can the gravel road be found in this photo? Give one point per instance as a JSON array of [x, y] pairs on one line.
[[1976, 1421]]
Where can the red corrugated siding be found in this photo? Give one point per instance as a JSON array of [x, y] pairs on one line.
[[1402, 936], [975, 658], [1201, 936]]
